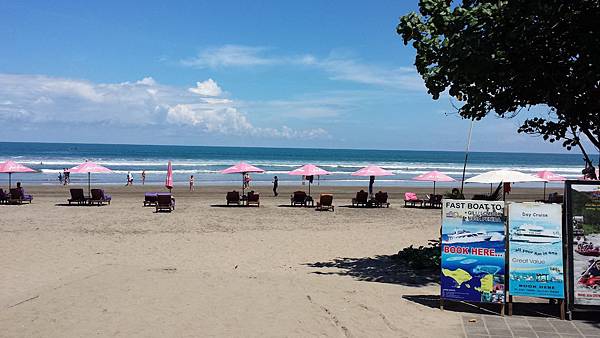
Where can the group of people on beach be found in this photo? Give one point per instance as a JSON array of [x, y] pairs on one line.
[[64, 177]]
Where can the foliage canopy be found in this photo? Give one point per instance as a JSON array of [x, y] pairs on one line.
[[504, 57]]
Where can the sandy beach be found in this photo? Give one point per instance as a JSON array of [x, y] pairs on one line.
[[206, 270]]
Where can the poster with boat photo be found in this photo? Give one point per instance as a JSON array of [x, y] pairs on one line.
[[535, 267], [473, 248], [585, 213]]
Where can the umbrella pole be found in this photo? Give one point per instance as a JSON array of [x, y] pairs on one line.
[[544, 196], [309, 188], [9, 181], [243, 183], [89, 185], [434, 188]]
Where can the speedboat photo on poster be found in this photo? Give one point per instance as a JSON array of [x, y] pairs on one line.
[[535, 250], [473, 248], [585, 211]]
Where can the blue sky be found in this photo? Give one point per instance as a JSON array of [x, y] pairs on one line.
[[243, 73]]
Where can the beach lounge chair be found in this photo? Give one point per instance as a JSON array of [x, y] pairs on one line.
[[4, 197], [18, 196], [253, 198], [233, 197], [381, 200], [77, 196], [164, 202], [495, 196], [362, 198], [298, 198], [150, 199], [433, 201], [99, 197], [411, 199], [325, 202]]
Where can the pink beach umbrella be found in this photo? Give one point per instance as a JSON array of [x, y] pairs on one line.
[[434, 176], [549, 176], [89, 167], [242, 168], [309, 170], [169, 179], [10, 167], [372, 171]]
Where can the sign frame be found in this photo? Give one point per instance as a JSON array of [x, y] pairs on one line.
[[568, 250]]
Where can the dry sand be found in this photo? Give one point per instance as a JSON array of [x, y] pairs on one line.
[[206, 270]]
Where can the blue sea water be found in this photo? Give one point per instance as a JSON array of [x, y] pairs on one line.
[[205, 162]]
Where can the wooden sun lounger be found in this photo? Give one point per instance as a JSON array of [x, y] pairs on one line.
[[77, 196], [411, 199], [381, 200], [233, 197], [434, 201], [253, 198], [18, 196], [298, 198], [361, 199], [150, 199], [4, 197], [99, 197], [325, 203], [165, 202]]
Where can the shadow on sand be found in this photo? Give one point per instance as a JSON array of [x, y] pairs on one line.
[[381, 269], [79, 205], [233, 206]]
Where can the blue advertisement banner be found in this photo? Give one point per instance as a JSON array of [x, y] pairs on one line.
[[473, 249], [535, 250]]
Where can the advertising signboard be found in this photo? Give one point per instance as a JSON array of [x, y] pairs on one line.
[[535, 250], [584, 241], [473, 248]]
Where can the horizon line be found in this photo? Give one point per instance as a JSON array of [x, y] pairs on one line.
[[278, 147]]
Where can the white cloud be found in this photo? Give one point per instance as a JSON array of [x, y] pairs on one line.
[[344, 69], [228, 56], [38, 99], [339, 67], [207, 88]]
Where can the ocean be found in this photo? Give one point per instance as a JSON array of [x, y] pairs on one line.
[[205, 162]]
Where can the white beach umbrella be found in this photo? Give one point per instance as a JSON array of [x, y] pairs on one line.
[[499, 176], [503, 176]]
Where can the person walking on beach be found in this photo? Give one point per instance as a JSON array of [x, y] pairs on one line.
[[129, 179], [66, 176], [247, 180], [143, 177], [275, 185], [60, 177], [191, 182]]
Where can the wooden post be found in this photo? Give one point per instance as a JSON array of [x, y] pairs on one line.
[[510, 305], [561, 303]]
